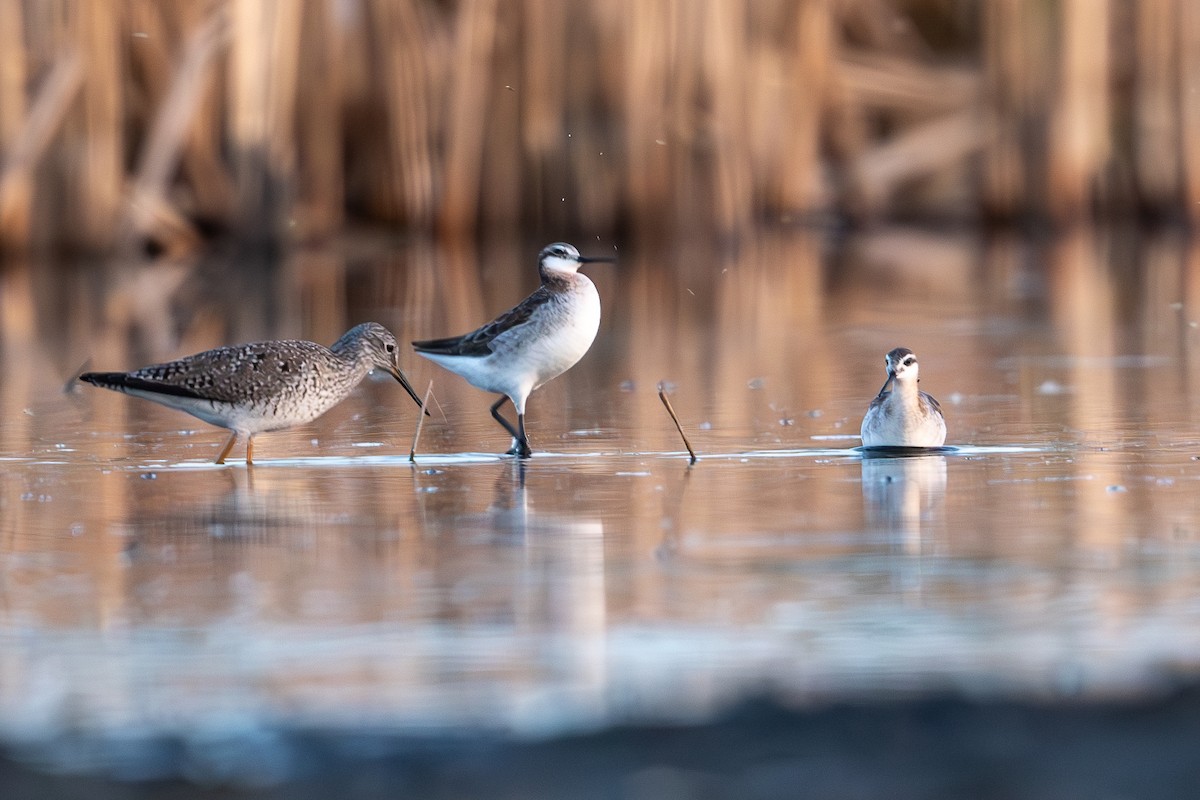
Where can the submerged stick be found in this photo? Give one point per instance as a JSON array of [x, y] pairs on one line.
[[412, 452], [662, 395]]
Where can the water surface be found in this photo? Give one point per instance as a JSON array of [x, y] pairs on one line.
[[144, 590]]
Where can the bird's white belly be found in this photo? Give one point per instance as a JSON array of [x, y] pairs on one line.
[[242, 417], [550, 356], [528, 356], [222, 415]]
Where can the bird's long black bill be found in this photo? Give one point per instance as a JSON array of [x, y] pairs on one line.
[[597, 260], [890, 379], [398, 375]]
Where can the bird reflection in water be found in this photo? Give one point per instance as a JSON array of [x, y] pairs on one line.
[[268, 512], [904, 496], [553, 563]]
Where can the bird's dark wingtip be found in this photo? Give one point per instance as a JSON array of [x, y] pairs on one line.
[[126, 382], [437, 346]]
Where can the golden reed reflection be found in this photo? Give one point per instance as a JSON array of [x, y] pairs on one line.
[[768, 345], [772, 330]]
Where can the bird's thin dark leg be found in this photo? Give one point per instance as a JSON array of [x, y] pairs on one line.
[[507, 425], [228, 446], [250, 449], [523, 449]]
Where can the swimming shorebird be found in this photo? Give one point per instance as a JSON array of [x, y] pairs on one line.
[[534, 342], [264, 386], [905, 416]]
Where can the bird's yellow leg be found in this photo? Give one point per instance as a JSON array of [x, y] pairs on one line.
[[228, 446]]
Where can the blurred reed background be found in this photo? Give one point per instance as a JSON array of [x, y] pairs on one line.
[[127, 123]]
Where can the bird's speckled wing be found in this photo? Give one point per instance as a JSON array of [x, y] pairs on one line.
[[933, 402], [478, 343], [235, 374]]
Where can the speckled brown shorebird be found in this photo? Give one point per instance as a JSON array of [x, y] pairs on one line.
[[904, 416], [263, 386]]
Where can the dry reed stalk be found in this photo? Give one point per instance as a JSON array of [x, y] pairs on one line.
[[1156, 146], [918, 151], [1189, 109], [725, 44], [721, 109], [593, 94], [206, 173], [284, 55], [650, 47], [15, 195], [45, 118], [471, 84], [546, 28], [155, 38], [13, 73], [797, 176], [160, 156], [156, 31], [502, 172], [247, 105], [846, 125], [424, 412], [403, 48], [1079, 136], [263, 74], [320, 126], [883, 26], [97, 184], [688, 140], [662, 395], [907, 87], [1004, 191]]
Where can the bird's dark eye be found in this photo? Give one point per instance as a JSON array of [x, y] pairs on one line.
[[908, 362], [391, 348]]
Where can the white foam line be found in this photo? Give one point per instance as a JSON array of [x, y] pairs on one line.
[[471, 458]]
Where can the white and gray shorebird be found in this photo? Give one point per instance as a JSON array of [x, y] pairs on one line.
[[263, 386], [904, 416], [536, 341]]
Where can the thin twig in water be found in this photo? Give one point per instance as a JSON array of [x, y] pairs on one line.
[[412, 453], [662, 395]]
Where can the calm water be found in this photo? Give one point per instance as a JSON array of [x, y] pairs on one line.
[[144, 590]]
